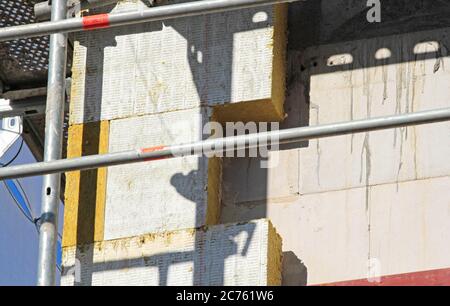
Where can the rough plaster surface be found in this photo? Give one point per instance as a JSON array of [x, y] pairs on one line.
[[235, 254], [176, 64]]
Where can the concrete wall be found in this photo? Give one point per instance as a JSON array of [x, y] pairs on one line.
[[368, 203]]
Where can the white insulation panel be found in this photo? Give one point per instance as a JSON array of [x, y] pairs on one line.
[[234, 254], [177, 64], [162, 195]]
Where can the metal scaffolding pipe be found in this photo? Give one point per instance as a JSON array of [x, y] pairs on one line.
[[42, 10], [54, 123], [22, 94], [25, 108], [226, 144], [165, 12], [29, 107]]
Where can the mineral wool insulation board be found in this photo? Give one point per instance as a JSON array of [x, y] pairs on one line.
[[221, 59], [236, 254], [161, 195]]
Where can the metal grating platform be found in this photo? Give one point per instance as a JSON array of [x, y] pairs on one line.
[[23, 63]]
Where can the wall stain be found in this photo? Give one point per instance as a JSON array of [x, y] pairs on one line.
[[316, 108]]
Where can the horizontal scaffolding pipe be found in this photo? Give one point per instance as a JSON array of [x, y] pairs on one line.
[[42, 10], [212, 146], [165, 12], [24, 93], [25, 108]]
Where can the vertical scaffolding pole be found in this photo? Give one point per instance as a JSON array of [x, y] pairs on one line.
[[53, 149]]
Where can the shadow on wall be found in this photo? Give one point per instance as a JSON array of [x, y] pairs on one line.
[[295, 272], [212, 272]]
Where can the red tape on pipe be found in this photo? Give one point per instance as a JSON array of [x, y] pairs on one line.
[[96, 22], [154, 149]]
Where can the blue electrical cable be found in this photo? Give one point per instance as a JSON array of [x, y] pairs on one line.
[[14, 157], [15, 194], [22, 202]]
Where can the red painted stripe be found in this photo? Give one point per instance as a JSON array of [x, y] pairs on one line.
[[96, 22], [439, 277], [154, 149]]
